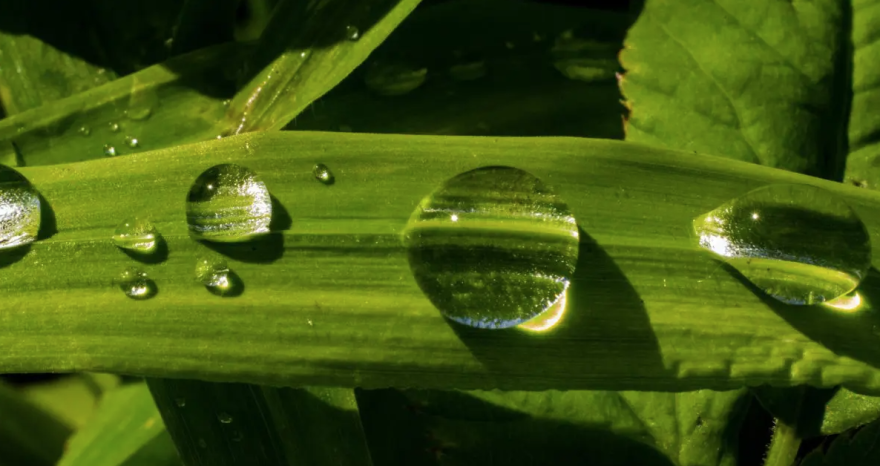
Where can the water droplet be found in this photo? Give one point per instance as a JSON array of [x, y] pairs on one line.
[[492, 247], [394, 78], [352, 33], [114, 127], [141, 100], [323, 174], [136, 234], [136, 285], [84, 130], [19, 209], [180, 402], [798, 243], [228, 203], [468, 71], [224, 418], [214, 273], [131, 142], [109, 150]]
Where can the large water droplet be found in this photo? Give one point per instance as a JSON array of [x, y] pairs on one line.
[[798, 243], [109, 150], [352, 33], [136, 234], [394, 78], [132, 142], [492, 247], [136, 285], [228, 203], [19, 209], [323, 174], [214, 273]]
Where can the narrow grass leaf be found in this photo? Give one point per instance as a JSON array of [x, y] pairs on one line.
[[306, 50], [72, 399]]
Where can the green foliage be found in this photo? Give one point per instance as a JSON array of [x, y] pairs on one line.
[[329, 303]]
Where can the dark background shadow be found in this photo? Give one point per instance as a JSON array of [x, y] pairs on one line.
[[604, 316]]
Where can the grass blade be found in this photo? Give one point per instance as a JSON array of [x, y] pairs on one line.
[[29, 436], [126, 430], [643, 308], [307, 49]]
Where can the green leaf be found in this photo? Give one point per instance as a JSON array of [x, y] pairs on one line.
[[756, 81], [522, 93], [232, 424], [864, 123], [177, 102], [691, 428], [825, 412], [126, 430], [73, 399], [626, 327], [861, 448], [307, 49], [29, 436]]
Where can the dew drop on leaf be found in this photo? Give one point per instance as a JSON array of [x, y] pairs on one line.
[[224, 418], [390, 79], [109, 150], [352, 33], [113, 126], [215, 275], [131, 142], [136, 284], [798, 243], [84, 131], [19, 209], [228, 203], [323, 174], [493, 247], [136, 234], [180, 402]]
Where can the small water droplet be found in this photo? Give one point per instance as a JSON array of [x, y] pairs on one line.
[[583, 59], [113, 126], [214, 274], [19, 209], [84, 130], [224, 418], [394, 78], [352, 33], [226, 103], [468, 71], [131, 142], [323, 174], [798, 243], [492, 247], [136, 234], [136, 285], [180, 402], [109, 150], [228, 203]]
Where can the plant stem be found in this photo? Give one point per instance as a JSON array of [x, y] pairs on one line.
[[784, 445]]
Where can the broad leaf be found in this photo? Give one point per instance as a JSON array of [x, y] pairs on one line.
[[758, 81], [823, 412], [575, 427], [29, 436], [72, 399], [125, 431], [626, 329], [861, 448]]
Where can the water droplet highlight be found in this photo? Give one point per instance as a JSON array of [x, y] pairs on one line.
[[136, 234], [84, 131], [19, 209], [394, 78], [224, 418], [352, 33], [228, 203], [798, 243], [492, 247], [215, 275], [113, 126], [109, 150], [136, 285], [180, 402], [131, 142], [323, 174], [583, 59]]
